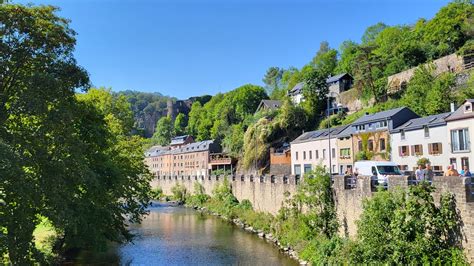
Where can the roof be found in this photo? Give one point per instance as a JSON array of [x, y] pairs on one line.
[[459, 114], [319, 134], [378, 116], [297, 89], [337, 77], [155, 151], [191, 147], [347, 132], [419, 123], [179, 140], [270, 104]]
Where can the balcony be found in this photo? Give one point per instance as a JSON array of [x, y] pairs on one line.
[[220, 159]]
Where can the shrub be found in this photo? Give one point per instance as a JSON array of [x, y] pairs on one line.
[[179, 193], [199, 197], [423, 161], [156, 193]]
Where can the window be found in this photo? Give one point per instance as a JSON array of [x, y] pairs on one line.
[[403, 151], [370, 145], [296, 155], [297, 169], [317, 154], [382, 144], [374, 171], [427, 131], [467, 108], [307, 168], [435, 148], [310, 155], [324, 153], [464, 162], [460, 140], [417, 150], [437, 168], [402, 134], [452, 161], [359, 145], [333, 151], [304, 155], [345, 153]]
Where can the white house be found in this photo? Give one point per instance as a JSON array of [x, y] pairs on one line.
[[460, 128], [315, 148], [424, 137]]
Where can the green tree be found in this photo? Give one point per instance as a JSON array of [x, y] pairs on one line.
[[325, 60], [372, 32], [272, 80], [315, 93], [427, 94], [180, 124], [164, 131], [348, 51]]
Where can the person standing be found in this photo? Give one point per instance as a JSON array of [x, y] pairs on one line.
[[429, 174], [465, 172], [420, 173]]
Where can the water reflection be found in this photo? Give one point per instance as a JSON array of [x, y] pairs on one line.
[[180, 236]]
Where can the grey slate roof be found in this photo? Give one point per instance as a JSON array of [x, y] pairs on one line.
[[419, 123], [297, 89], [378, 116], [336, 78], [179, 140], [347, 132], [156, 150], [270, 104], [459, 113], [319, 134], [191, 147]]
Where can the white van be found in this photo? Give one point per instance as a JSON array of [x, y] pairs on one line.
[[378, 169]]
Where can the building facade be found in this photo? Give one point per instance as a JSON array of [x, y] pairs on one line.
[[315, 148], [371, 136], [191, 159], [425, 137], [346, 150], [460, 131]]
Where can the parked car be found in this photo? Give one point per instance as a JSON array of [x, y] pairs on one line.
[[378, 169]]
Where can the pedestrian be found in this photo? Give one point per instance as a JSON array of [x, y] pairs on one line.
[[465, 172], [429, 174], [420, 173], [451, 171]]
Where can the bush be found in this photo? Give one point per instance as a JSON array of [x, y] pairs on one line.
[[156, 193], [199, 197], [423, 161], [179, 193]]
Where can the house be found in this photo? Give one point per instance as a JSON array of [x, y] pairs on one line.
[[179, 141], [339, 83], [336, 84], [315, 148], [192, 159], [424, 137], [460, 130], [296, 93], [280, 160], [268, 105], [371, 134], [346, 151]]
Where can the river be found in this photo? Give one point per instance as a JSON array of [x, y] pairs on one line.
[[172, 235]]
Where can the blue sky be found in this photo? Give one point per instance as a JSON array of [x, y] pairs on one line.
[[185, 48]]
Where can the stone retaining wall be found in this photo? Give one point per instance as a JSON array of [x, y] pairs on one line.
[[267, 193]]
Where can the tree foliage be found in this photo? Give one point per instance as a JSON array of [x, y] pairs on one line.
[[164, 131], [70, 160]]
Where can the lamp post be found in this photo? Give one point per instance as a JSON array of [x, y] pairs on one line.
[[329, 95]]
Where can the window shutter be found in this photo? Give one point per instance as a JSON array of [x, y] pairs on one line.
[[413, 149], [440, 148], [400, 151]]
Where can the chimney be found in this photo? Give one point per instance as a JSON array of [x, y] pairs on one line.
[[452, 107]]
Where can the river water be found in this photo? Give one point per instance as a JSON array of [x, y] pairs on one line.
[[172, 235]]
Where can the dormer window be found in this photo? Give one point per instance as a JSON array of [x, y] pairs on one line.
[[467, 108]]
